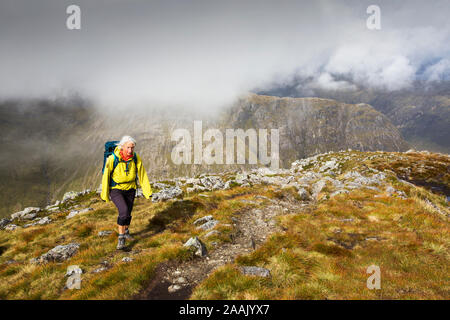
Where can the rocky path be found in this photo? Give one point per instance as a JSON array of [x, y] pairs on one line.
[[251, 229]]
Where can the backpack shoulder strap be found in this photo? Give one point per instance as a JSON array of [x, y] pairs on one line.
[[115, 162], [135, 163]]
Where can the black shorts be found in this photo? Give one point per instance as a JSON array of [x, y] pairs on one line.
[[123, 199]]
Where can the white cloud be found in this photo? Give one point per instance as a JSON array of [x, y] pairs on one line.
[[438, 71], [202, 54]]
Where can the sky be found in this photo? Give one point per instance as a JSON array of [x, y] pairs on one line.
[[204, 54]]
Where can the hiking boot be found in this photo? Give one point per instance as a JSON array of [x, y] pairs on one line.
[[127, 235], [121, 242]]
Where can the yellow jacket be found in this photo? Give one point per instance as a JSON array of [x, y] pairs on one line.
[[125, 180]]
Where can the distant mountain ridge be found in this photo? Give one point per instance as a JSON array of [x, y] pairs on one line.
[[421, 112]]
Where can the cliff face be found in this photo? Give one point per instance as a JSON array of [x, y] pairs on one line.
[[310, 126], [62, 148], [421, 113]]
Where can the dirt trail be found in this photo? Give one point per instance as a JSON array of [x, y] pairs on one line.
[[251, 229]]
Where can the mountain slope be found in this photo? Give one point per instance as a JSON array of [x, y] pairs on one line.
[[315, 228]]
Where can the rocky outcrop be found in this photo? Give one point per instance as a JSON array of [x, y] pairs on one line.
[[166, 194]]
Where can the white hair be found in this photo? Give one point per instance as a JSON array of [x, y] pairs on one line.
[[124, 140]]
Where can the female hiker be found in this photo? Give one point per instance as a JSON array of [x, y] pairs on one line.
[[122, 169]]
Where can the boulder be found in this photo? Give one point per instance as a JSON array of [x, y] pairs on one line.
[[57, 254], [208, 225], [198, 245], [167, 194]]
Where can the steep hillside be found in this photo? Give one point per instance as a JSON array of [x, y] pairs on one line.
[[310, 126], [307, 232], [421, 113]]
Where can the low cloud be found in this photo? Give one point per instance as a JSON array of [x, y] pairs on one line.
[[203, 54]]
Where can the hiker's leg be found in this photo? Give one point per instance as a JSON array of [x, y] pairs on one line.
[[119, 200], [129, 199]]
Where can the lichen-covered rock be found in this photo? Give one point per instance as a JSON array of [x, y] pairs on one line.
[[208, 225], [38, 221], [57, 254], [166, 194], [198, 245]]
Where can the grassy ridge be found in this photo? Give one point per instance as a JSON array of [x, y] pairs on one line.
[[321, 253]]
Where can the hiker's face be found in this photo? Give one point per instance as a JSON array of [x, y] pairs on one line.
[[128, 148]]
